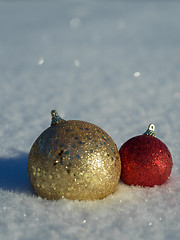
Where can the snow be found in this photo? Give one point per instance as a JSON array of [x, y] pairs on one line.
[[111, 63]]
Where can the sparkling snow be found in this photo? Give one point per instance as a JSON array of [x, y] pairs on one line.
[[111, 63]]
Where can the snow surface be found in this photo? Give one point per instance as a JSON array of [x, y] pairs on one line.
[[113, 63]]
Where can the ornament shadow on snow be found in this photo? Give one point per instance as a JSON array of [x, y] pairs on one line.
[[74, 159], [146, 160], [13, 174]]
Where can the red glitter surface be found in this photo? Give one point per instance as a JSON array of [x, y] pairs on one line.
[[146, 161]]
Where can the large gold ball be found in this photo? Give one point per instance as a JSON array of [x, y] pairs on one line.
[[76, 160]]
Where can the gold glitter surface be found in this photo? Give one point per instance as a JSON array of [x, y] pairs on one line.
[[76, 160]]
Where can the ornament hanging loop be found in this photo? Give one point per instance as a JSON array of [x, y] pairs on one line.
[[151, 130], [55, 118]]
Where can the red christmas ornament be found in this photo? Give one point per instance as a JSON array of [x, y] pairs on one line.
[[146, 161]]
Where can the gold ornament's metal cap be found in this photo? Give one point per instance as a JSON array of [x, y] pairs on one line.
[[55, 118], [151, 130]]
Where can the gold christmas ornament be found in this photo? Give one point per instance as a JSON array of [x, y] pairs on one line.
[[74, 159]]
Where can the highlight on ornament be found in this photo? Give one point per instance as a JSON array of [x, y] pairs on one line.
[[73, 159], [146, 161]]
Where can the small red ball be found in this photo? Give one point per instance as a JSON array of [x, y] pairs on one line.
[[146, 161]]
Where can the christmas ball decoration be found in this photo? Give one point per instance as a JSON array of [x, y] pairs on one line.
[[73, 159], [146, 161]]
